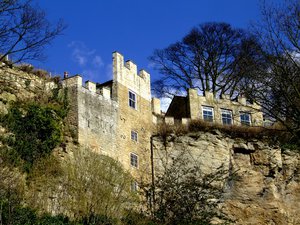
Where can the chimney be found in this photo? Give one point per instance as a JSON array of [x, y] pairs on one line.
[[66, 74]]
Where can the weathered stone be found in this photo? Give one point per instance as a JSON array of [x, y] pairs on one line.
[[264, 187], [8, 97]]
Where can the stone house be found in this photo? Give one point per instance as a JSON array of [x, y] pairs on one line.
[[119, 117], [115, 117], [208, 108]]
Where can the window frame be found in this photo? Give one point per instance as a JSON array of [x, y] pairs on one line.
[[134, 186], [227, 112], [134, 135], [132, 102], [208, 108], [134, 162], [244, 122]]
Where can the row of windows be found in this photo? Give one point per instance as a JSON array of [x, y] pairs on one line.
[[226, 116], [134, 160]]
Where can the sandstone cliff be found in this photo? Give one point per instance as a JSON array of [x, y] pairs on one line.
[[265, 187]]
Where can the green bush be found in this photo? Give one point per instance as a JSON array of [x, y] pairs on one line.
[[37, 130], [98, 220], [137, 218], [19, 215]]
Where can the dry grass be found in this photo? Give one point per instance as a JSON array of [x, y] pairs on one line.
[[239, 131], [167, 129], [234, 131]]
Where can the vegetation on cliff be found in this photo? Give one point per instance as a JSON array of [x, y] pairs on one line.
[[38, 172]]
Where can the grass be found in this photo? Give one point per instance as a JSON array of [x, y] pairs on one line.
[[234, 131]]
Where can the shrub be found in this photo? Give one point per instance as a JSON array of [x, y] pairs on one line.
[[56, 79], [41, 73], [105, 183], [20, 215], [167, 129], [239, 131], [137, 218], [98, 220], [184, 194], [27, 68], [37, 129]]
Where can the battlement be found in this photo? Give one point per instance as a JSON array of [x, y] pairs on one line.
[[89, 86], [128, 75], [225, 99]]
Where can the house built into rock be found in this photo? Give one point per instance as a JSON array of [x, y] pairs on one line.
[[118, 117]]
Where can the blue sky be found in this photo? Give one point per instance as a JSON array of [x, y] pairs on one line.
[[134, 28]]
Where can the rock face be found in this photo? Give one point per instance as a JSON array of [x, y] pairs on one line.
[[264, 187], [16, 85]]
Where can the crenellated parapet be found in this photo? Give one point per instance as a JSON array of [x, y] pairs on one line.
[[126, 73], [209, 98], [88, 87]]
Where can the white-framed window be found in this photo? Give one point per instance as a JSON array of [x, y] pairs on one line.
[[134, 186], [245, 118], [134, 160], [134, 136], [208, 113], [132, 99], [226, 116]]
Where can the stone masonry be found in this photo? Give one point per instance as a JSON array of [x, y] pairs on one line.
[[217, 110], [115, 118], [118, 117]]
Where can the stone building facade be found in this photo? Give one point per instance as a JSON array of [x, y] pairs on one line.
[[118, 117], [115, 118], [215, 110]]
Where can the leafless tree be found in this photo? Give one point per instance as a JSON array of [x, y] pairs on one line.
[[211, 57], [277, 85], [182, 193], [24, 30]]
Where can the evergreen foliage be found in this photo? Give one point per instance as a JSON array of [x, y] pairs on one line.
[[36, 129]]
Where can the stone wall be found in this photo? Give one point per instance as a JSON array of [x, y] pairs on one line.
[[104, 121], [126, 73], [265, 188], [97, 122], [196, 103], [137, 119], [92, 117], [18, 85]]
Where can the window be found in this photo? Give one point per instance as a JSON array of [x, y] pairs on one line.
[[134, 186], [132, 99], [134, 136], [245, 118], [208, 113], [226, 116], [133, 160]]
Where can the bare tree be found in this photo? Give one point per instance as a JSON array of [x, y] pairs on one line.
[[276, 86], [182, 193], [208, 58], [24, 30], [96, 185]]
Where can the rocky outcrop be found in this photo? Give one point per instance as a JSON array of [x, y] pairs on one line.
[[16, 85], [264, 180]]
